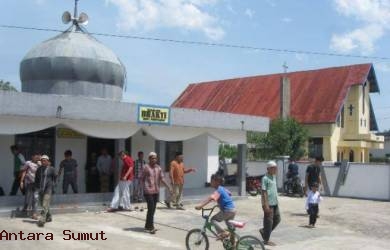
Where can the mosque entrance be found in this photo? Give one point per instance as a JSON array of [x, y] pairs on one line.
[[95, 146]]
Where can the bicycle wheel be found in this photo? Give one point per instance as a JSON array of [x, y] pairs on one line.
[[196, 239], [249, 242]]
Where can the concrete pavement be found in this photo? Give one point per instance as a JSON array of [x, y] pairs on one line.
[[343, 224]]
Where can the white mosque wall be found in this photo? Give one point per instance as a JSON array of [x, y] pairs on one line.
[[212, 157], [142, 142], [200, 153], [7, 162]]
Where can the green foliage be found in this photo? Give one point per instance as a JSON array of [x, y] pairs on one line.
[[7, 86], [285, 137], [227, 150]]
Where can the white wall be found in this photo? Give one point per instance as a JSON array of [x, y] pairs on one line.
[[331, 174], [201, 153], [79, 150], [140, 142], [212, 158], [7, 162], [384, 151], [195, 155], [370, 182]]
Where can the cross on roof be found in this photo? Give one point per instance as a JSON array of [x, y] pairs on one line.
[[350, 109], [285, 67]]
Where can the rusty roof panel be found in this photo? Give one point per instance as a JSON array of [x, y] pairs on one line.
[[316, 95]]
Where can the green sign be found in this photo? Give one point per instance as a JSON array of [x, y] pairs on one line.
[[151, 114], [69, 133]]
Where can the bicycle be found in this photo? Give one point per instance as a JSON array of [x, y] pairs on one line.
[[197, 238]]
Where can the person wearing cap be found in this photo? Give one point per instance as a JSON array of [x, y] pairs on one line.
[[313, 174], [122, 191], [269, 202], [177, 171], [151, 179], [44, 182]]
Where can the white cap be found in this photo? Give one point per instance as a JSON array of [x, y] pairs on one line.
[[271, 164], [45, 157], [152, 154]]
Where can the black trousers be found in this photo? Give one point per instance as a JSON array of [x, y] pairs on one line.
[[313, 211], [151, 201], [270, 221], [16, 184]]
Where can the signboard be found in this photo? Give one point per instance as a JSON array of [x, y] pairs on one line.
[[69, 133], [151, 114]]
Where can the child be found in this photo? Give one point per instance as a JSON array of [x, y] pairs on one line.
[[225, 203], [312, 202]]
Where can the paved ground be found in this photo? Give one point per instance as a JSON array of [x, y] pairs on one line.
[[343, 224]]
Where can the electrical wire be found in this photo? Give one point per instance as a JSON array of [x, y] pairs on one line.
[[224, 45]]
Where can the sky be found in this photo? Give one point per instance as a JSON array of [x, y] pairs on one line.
[[157, 72]]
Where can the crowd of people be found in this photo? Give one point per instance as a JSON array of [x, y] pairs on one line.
[[140, 180]]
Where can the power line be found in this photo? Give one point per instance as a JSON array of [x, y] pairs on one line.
[[225, 45]]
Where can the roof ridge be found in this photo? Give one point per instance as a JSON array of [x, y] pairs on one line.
[[281, 73]]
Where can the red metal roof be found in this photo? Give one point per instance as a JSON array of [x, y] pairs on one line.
[[316, 95]]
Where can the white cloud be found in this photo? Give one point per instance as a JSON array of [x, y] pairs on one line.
[[250, 13], [384, 67], [286, 20], [374, 16], [184, 14], [362, 38]]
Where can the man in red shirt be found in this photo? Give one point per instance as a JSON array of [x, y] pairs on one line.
[[122, 191]]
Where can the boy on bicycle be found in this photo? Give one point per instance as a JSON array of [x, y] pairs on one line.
[[225, 203]]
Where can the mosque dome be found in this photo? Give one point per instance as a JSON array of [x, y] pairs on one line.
[[73, 63]]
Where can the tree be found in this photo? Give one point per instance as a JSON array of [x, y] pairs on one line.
[[285, 137], [7, 86], [227, 151]]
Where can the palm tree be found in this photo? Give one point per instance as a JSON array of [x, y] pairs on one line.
[[7, 86]]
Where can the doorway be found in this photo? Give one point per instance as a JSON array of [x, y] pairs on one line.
[[94, 148]]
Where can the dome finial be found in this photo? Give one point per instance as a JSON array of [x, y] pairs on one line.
[[75, 8]]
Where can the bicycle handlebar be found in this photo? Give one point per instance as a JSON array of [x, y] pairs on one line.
[[208, 209]]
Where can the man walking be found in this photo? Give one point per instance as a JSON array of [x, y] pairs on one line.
[[151, 179], [122, 191], [44, 183], [176, 174], [69, 166], [269, 202], [313, 174]]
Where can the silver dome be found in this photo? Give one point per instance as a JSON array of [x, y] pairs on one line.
[[73, 63]]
